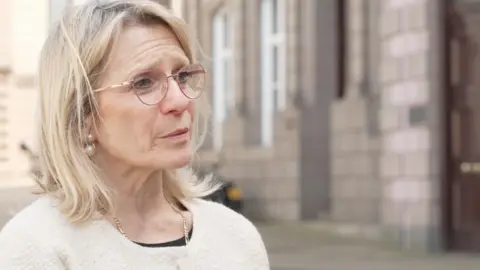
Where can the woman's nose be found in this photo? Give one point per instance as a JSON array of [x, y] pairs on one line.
[[174, 101]]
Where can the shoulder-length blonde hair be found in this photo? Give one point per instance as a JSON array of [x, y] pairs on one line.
[[71, 59]]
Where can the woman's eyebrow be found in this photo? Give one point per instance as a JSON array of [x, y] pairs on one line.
[[175, 63], [145, 66]]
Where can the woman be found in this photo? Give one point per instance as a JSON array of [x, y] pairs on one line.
[[121, 112]]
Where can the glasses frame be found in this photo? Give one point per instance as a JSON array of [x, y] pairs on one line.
[[174, 76]]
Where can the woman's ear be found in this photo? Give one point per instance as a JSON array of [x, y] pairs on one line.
[[89, 129]]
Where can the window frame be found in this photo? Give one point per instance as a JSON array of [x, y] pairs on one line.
[[274, 94], [223, 86]]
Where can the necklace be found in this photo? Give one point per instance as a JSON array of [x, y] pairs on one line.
[[184, 219]]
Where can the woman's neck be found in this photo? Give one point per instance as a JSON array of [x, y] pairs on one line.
[[140, 196]]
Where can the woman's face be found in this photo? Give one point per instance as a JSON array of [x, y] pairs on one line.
[[130, 131]]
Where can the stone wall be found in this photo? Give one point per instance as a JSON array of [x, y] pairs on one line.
[[356, 142], [383, 171]]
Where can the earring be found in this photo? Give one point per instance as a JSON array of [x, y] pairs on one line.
[[90, 147]]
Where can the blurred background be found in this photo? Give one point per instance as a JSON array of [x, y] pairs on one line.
[[345, 129]]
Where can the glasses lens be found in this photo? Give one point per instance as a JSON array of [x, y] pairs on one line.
[[191, 80], [150, 87]]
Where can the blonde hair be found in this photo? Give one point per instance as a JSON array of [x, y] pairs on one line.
[[70, 62]]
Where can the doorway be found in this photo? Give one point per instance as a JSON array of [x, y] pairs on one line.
[[463, 189]]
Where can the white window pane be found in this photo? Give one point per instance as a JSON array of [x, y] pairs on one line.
[[222, 74], [267, 74]]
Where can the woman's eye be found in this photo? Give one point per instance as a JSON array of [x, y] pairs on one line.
[[143, 83], [183, 77]]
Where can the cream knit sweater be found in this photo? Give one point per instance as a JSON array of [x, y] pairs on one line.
[[40, 238]]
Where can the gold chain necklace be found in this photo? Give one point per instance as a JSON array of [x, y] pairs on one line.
[[184, 219]]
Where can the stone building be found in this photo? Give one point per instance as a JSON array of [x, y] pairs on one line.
[[342, 111], [23, 24], [360, 113]]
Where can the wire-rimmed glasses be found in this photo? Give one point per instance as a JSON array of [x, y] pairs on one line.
[[152, 86]]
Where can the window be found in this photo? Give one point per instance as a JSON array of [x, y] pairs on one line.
[[223, 76], [273, 49], [343, 33]]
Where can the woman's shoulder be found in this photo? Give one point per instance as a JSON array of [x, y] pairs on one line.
[[219, 221], [27, 240], [224, 217], [207, 207], [40, 217]]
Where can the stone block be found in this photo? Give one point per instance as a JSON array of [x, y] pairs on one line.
[[408, 190], [286, 189], [390, 22], [362, 164], [283, 210], [416, 163], [286, 149], [419, 214], [390, 165], [407, 43], [400, 4], [416, 65], [349, 141], [340, 165], [355, 69], [416, 15], [388, 216], [339, 116], [365, 143], [365, 211], [273, 170], [356, 114], [389, 118], [407, 93], [407, 140], [371, 188], [341, 210], [389, 70], [343, 188]]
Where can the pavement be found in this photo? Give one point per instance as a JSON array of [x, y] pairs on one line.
[[306, 246]]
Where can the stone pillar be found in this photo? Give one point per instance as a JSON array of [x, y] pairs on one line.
[[411, 205]]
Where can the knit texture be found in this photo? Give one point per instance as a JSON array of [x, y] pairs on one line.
[[39, 237]]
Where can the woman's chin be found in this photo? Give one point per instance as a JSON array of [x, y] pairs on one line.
[[176, 164], [176, 160]]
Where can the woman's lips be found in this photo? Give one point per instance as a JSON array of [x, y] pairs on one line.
[[177, 134]]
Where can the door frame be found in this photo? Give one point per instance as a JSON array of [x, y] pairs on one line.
[[449, 163], [448, 160]]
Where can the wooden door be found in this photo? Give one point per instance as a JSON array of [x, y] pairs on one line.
[[465, 125]]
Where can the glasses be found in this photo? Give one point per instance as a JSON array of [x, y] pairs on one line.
[[152, 86]]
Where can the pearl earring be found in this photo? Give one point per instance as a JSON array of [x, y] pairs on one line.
[[90, 147]]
